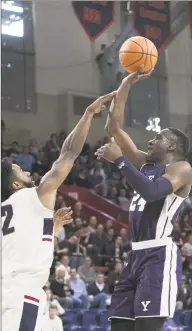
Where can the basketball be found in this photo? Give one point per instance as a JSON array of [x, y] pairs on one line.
[[138, 51]]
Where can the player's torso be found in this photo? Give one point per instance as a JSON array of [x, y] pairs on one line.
[[27, 238], [156, 219]]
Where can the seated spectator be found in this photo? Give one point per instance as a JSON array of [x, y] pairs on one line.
[[108, 225], [113, 276], [25, 160], [41, 164], [124, 202], [188, 245], [184, 298], [112, 195], [86, 271], [116, 249], [92, 224], [78, 211], [86, 239], [33, 147], [51, 301], [97, 182], [99, 239], [14, 151], [110, 237], [52, 149], [98, 293], [80, 297], [83, 179], [124, 235], [51, 321], [60, 288], [64, 262], [98, 167]]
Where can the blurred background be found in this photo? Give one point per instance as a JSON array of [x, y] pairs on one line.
[[57, 57]]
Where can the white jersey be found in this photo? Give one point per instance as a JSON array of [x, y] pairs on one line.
[[27, 240]]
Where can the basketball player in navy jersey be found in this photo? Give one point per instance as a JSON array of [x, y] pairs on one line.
[[146, 293]]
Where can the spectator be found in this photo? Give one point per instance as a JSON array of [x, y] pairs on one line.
[[177, 235], [60, 288], [33, 147], [83, 180], [99, 239], [86, 271], [36, 178], [41, 164], [112, 195], [52, 149], [98, 167], [77, 285], [110, 236], [108, 225], [124, 235], [25, 160], [64, 262], [78, 211], [98, 293], [97, 182], [122, 199], [51, 321], [188, 245], [51, 301], [14, 151], [92, 224], [113, 276], [116, 249], [184, 299]]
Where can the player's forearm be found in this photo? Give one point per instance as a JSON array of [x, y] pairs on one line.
[[149, 190], [76, 139]]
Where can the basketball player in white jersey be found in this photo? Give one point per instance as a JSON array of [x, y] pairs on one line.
[[27, 229]]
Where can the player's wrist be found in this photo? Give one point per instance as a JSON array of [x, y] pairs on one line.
[[120, 159]]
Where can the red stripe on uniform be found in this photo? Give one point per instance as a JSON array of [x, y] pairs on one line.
[[31, 298], [46, 239]]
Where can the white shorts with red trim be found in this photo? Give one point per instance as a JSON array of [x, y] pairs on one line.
[[22, 311]]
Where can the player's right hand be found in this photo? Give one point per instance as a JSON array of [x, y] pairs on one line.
[[136, 76], [98, 105]]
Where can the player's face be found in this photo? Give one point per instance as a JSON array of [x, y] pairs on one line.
[[22, 179], [159, 146]]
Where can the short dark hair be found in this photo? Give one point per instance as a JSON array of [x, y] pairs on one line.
[[6, 179], [181, 140]]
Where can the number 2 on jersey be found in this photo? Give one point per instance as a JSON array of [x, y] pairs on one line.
[[7, 212], [137, 203]]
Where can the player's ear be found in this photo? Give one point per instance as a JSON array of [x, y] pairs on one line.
[[16, 185], [172, 147]]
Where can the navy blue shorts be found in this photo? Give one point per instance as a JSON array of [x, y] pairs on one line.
[[148, 282]]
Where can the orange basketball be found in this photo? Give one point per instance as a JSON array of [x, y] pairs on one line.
[[138, 51]]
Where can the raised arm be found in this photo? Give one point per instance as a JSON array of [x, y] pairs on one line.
[[114, 125], [70, 150]]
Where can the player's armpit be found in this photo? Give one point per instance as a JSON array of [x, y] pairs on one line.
[[54, 178], [179, 174]]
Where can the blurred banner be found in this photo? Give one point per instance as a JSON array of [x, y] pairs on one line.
[[152, 19], [94, 16], [190, 16]]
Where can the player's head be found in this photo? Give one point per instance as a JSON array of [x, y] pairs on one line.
[[13, 178], [169, 142]]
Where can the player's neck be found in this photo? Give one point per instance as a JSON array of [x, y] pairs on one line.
[[168, 160]]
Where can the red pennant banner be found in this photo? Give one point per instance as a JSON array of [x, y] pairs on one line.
[[94, 16], [152, 19]]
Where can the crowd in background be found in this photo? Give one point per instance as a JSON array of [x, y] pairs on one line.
[[88, 255]]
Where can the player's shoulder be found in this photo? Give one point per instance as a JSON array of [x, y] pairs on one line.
[[180, 166]]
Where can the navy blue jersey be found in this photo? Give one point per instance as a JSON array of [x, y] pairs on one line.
[[153, 220]]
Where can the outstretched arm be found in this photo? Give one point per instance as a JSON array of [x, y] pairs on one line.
[[177, 175], [71, 149], [114, 125]]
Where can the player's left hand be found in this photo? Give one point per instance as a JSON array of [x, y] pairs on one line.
[[98, 105], [62, 217], [109, 152]]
